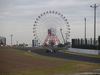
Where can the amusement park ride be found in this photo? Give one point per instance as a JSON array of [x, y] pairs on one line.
[[50, 27], [51, 37]]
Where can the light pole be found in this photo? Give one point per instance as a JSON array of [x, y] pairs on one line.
[[94, 21], [11, 39], [66, 37], [17, 43]]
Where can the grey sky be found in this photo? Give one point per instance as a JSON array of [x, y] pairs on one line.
[[17, 17]]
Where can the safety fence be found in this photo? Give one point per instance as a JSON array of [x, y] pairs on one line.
[[86, 43]]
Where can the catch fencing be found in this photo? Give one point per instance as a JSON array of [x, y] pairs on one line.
[[86, 43]]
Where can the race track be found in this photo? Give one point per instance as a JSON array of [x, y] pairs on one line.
[[66, 55]]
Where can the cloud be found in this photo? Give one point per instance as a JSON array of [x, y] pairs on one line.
[[18, 16]]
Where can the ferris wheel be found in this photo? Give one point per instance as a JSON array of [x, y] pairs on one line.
[[51, 26]]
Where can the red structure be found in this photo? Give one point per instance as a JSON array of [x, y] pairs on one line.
[[51, 37]]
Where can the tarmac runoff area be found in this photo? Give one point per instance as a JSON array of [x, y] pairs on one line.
[[66, 56]]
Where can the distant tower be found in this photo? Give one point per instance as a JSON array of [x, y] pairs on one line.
[[51, 37]]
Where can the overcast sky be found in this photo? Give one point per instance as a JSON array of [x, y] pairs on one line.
[[17, 17]]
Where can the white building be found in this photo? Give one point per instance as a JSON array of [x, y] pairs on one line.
[[2, 40], [34, 43]]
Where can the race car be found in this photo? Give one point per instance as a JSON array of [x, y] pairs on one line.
[[50, 51]]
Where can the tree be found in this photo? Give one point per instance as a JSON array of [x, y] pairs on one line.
[[60, 45], [45, 44], [51, 43]]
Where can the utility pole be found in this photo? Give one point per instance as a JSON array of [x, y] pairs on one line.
[[94, 21], [11, 39], [85, 29]]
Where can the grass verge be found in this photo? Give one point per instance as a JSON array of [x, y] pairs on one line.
[[68, 68]]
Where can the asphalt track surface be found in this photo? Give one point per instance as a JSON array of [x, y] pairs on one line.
[[66, 55]]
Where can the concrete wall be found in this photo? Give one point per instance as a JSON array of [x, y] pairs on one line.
[[87, 51]]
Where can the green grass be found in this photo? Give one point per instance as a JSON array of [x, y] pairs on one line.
[[91, 55], [70, 67]]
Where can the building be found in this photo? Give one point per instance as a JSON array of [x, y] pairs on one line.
[[34, 43], [2, 41]]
